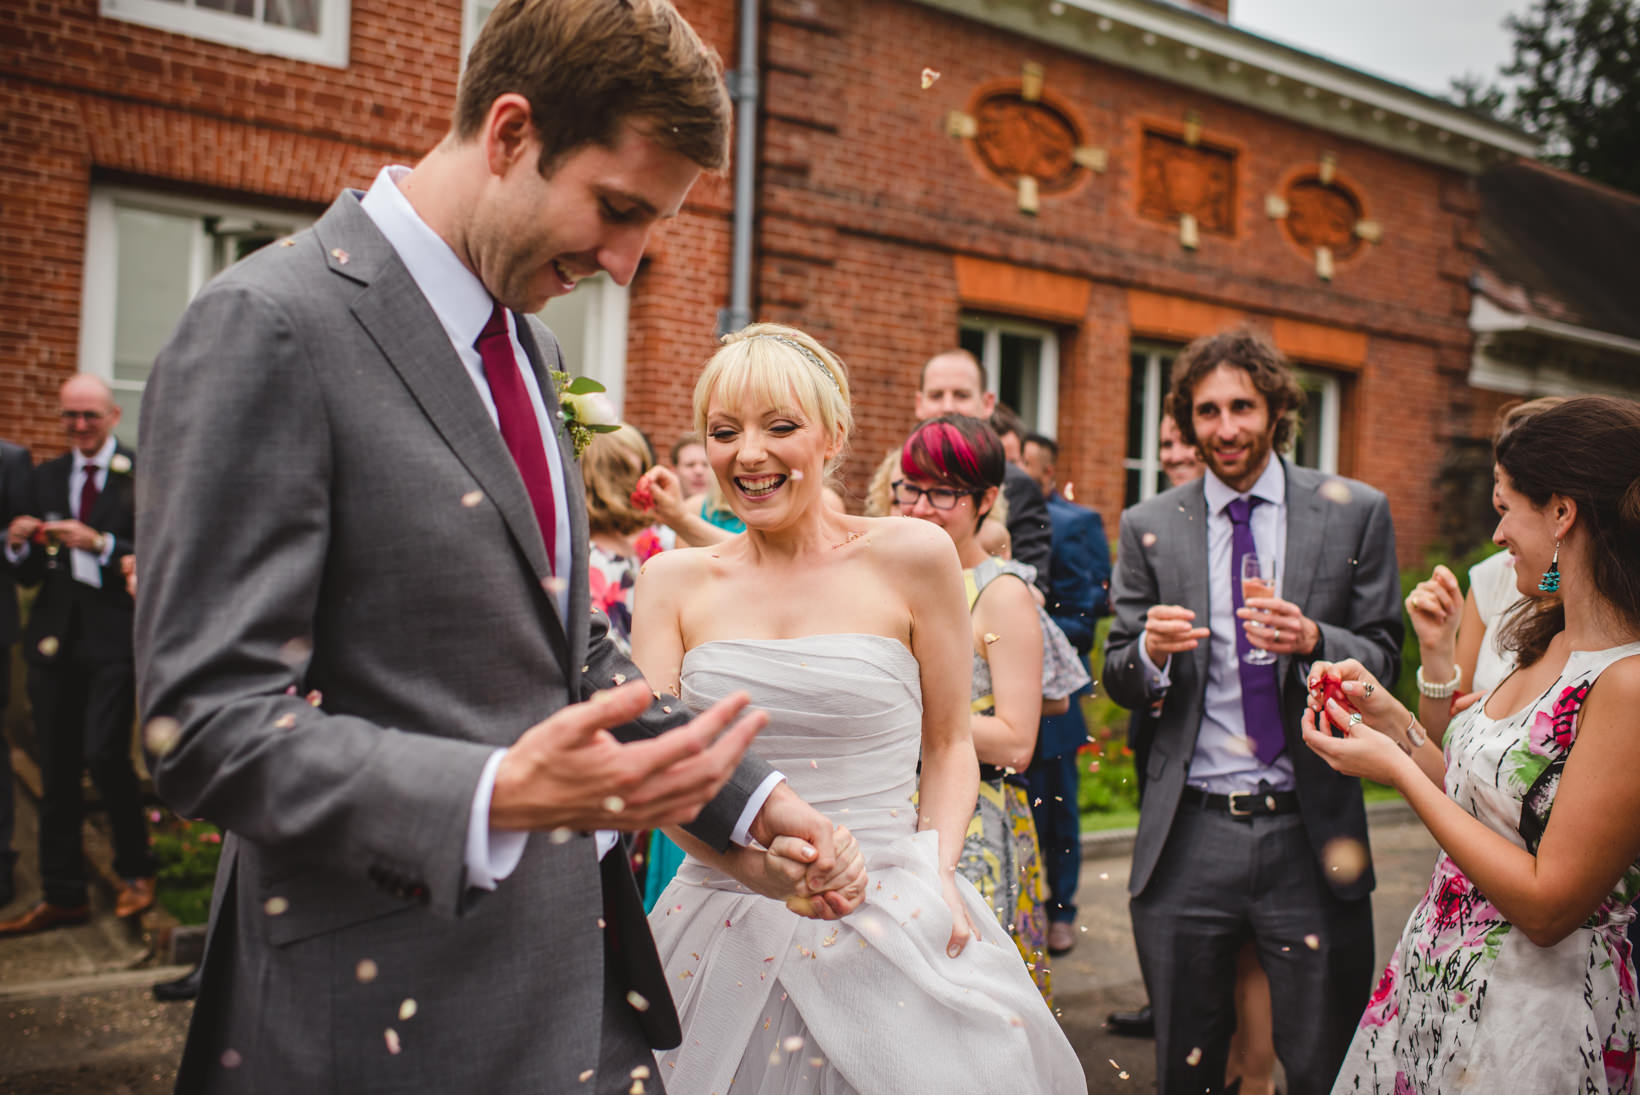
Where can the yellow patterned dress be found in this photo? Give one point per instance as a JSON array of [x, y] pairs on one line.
[[1000, 855]]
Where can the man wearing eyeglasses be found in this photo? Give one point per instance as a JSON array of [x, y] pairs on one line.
[[78, 647]]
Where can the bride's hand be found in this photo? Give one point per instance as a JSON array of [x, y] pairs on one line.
[[1349, 681], [841, 890], [962, 928]]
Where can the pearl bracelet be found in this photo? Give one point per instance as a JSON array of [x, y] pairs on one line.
[[1439, 691]]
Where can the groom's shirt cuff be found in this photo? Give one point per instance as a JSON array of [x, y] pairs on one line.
[[742, 834], [492, 854]]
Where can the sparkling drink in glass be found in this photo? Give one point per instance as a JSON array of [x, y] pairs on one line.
[[1258, 579]]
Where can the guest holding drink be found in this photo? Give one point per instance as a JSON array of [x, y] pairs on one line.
[[1514, 973]]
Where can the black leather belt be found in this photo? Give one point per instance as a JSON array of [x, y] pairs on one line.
[[1246, 804]]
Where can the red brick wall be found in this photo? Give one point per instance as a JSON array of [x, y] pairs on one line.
[[862, 202], [863, 198]]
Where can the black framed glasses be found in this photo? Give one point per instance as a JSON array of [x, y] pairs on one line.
[[941, 498]]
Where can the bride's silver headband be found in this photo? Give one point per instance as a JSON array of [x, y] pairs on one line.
[[812, 357]]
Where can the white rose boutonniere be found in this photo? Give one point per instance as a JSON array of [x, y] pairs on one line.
[[584, 409], [120, 464]]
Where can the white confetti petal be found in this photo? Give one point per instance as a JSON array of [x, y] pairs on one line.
[[392, 1037]]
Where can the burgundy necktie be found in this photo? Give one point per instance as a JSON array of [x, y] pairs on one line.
[[519, 426], [1260, 700], [88, 493]]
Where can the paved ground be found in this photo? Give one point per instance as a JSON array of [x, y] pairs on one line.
[[76, 1016]]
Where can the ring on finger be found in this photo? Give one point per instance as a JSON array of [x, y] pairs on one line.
[[1366, 690], [1355, 718]]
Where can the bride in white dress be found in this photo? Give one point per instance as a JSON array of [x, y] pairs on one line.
[[852, 633]]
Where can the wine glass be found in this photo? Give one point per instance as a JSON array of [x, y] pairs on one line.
[[52, 546], [1258, 579]]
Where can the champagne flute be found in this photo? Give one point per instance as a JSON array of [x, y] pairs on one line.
[[52, 546], [1258, 579]]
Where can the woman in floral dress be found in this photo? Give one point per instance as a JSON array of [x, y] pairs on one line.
[[1514, 973]]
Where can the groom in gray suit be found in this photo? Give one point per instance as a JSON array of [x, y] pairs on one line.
[[357, 484], [1244, 832]]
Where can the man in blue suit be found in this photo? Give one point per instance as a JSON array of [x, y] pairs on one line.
[[1078, 596]]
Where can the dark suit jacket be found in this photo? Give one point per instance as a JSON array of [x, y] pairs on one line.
[[1341, 571], [89, 624], [16, 498], [1078, 594], [1028, 525], [315, 460]]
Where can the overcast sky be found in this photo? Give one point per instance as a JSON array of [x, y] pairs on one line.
[[1419, 43]]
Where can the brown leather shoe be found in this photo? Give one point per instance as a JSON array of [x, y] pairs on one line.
[[44, 916], [1061, 937], [136, 895]]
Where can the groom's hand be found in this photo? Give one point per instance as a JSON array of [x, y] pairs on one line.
[[834, 893], [570, 772]]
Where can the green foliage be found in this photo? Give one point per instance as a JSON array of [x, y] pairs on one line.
[[188, 852], [1574, 84], [1108, 787]]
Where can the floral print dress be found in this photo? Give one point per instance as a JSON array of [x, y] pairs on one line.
[[1469, 1004]]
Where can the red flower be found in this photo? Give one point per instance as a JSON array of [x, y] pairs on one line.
[[1619, 1065]]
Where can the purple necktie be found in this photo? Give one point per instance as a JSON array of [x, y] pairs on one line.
[[520, 429], [1260, 702]]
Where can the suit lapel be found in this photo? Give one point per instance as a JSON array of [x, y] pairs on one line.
[[396, 315], [575, 500], [112, 495], [1196, 594]]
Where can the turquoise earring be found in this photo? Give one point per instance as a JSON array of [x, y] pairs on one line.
[[1550, 582]]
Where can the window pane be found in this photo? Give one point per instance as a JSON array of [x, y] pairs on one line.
[[568, 317], [1136, 407], [152, 271], [972, 339], [297, 14], [247, 8], [1021, 375]]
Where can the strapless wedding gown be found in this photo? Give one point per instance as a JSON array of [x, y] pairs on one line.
[[870, 1004]]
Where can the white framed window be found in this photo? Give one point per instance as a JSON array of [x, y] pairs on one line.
[[591, 327], [306, 30], [1021, 366], [474, 14], [1317, 443], [1151, 375], [146, 256]]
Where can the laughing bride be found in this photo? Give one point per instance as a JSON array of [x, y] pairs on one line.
[[853, 634]]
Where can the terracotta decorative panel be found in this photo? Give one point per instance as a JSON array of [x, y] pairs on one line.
[[1018, 138], [1176, 178], [1323, 215]]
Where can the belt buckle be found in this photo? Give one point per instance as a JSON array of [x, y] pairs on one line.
[[1230, 802]]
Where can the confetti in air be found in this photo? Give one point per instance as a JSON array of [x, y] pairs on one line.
[[1148, 539], [1195, 1057], [407, 1010], [49, 646], [792, 1043], [341, 260], [559, 835], [365, 971], [392, 1037], [1345, 857], [614, 804], [640, 1073], [991, 637], [161, 734], [285, 721], [276, 906], [1313, 941], [472, 498], [928, 78], [1337, 491], [1070, 493], [586, 1074], [231, 1058], [638, 1000]]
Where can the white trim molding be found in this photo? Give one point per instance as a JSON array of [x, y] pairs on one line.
[[1528, 355], [327, 45], [1199, 51]]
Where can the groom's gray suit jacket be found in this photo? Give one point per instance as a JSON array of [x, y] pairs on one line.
[[1340, 571], [325, 504]]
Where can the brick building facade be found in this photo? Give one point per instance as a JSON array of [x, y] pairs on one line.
[[1084, 186]]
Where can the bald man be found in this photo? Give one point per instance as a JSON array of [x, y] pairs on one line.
[[78, 649]]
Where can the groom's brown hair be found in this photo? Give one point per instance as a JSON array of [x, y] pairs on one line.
[[586, 66]]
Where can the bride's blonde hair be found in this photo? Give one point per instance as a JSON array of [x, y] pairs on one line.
[[768, 365]]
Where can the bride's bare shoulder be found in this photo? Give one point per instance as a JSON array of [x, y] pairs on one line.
[[677, 568], [906, 543]]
